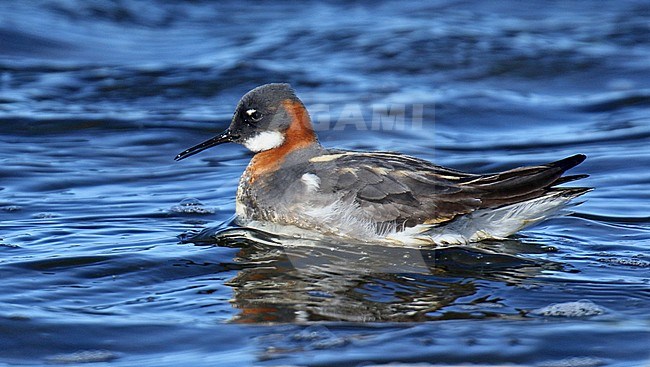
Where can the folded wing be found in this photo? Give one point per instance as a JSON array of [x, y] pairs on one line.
[[396, 189]]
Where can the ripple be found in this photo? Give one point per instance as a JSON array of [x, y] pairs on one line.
[[618, 101], [612, 219], [632, 262], [11, 208], [62, 262]]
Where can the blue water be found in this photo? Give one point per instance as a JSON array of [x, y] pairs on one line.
[[97, 97]]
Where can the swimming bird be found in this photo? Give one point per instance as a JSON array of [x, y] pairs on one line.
[[294, 182]]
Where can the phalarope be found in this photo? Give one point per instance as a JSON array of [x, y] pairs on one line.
[[294, 181]]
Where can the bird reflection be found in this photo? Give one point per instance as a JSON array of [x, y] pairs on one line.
[[297, 280]]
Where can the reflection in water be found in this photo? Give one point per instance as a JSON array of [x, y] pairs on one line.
[[290, 279]]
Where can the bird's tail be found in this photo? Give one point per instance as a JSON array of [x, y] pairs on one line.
[[511, 201], [499, 223]]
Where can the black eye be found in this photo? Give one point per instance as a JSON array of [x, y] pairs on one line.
[[253, 115]]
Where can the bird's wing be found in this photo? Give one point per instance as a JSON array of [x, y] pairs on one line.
[[399, 189], [394, 188]]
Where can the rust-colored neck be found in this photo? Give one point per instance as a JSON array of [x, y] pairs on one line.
[[300, 134]]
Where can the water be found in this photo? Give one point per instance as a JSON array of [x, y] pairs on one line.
[[96, 98]]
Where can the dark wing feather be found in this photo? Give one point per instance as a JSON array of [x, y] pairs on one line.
[[403, 190], [525, 183]]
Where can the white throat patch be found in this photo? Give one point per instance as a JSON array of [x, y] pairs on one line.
[[264, 141]]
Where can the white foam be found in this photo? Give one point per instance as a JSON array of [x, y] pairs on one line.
[[580, 308]]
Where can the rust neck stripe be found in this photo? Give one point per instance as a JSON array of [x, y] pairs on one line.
[[300, 134]]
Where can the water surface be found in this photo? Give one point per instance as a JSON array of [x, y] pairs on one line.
[[96, 98]]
